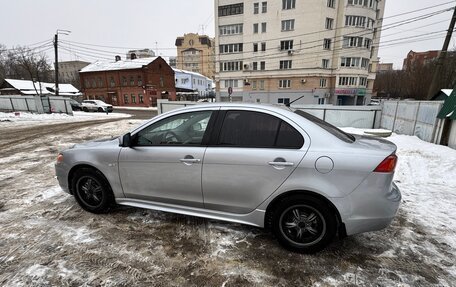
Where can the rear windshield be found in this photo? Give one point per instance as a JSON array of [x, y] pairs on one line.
[[328, 127]]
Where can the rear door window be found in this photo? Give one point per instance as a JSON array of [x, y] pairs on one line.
[[255, 129]]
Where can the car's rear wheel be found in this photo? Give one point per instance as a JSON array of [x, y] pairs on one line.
[[303, 224], [85, 109], [92, 191], [100, 109]]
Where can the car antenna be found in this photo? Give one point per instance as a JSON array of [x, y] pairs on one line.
[[289, 104]]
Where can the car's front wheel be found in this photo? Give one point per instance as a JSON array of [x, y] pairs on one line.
[[85, 109], [92, 191], [303, 224]]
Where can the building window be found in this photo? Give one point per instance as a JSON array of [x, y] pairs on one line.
[[321, 101], [256, 8], [323, 83], [132, 81], [141, 99], [286, 45], [364, 63], [162, 84], [261, 84], [353, 42], [255, 47], [133, 99], [233, 9], [355, 21], [262, 65], [231, 48], [284, 84], [363, 81], [264, 7], [254, 85], [327, 44], [263, 27], [367, 43], [124, 81], [284, 65], [231, 29], [263, 46], [125, 99], [288, 25], [139, 81], [255, 28], [370, 23], [231, 83], [329, 23], [112, 83], [100, 82], [325, 63], [350, 62], [94, 83], [288, 4], [331, 3], [255, 66], [231, 66], [284, 101], [87, 83], [347, 81]]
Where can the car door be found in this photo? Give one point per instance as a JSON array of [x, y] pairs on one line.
[[165, 160], [252, 156]]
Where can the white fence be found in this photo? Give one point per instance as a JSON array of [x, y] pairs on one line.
[[345, 116], [35, 104], [352, 116], [417, 118]]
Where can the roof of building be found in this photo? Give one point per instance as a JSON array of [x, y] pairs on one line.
[[26, 87], [119, 65], [191, 73]]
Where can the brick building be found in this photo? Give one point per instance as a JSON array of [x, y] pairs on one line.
[[420, 58], [137, 82]]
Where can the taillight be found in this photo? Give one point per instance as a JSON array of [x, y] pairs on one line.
[[59, 158], [388, 164]]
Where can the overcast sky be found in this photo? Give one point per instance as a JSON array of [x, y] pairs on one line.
[[153, 23]]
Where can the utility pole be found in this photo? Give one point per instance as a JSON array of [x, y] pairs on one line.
[[56, 52], [438, 68], [56, 64]]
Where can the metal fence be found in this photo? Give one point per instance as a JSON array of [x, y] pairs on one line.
[[417, 118], [35, 104]]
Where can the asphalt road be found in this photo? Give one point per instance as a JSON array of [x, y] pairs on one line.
[[137, 114]]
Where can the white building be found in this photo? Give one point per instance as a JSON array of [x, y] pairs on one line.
[[280, 50], [192, 83]]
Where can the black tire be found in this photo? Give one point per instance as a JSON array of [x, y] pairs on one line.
[[303, 224], [85, 109], [92, 191], [100, 110]]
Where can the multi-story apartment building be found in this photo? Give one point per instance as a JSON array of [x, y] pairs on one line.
[[69, 71], [196, 53], [276, 51], [137, 82]]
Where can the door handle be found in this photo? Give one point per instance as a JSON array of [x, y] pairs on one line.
[[280, 163], [190, 160]]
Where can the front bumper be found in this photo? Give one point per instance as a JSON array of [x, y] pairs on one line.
[[371, 206], [61, 172]]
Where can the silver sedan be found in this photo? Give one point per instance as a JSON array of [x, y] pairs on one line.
[[265, 166]]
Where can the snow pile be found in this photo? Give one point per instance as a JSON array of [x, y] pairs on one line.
[[57, 118]]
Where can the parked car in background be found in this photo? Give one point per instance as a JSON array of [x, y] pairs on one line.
[[96, 106], [265, 166], [75, 105]]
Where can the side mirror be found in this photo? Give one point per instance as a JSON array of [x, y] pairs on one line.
[[125, 141]]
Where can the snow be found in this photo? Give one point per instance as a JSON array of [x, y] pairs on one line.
[[27, 87], [32, 119], [119, 65]]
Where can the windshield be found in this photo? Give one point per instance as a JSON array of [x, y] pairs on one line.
[[328, 127]]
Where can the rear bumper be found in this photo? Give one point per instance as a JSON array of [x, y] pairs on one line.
[[372, 206]]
